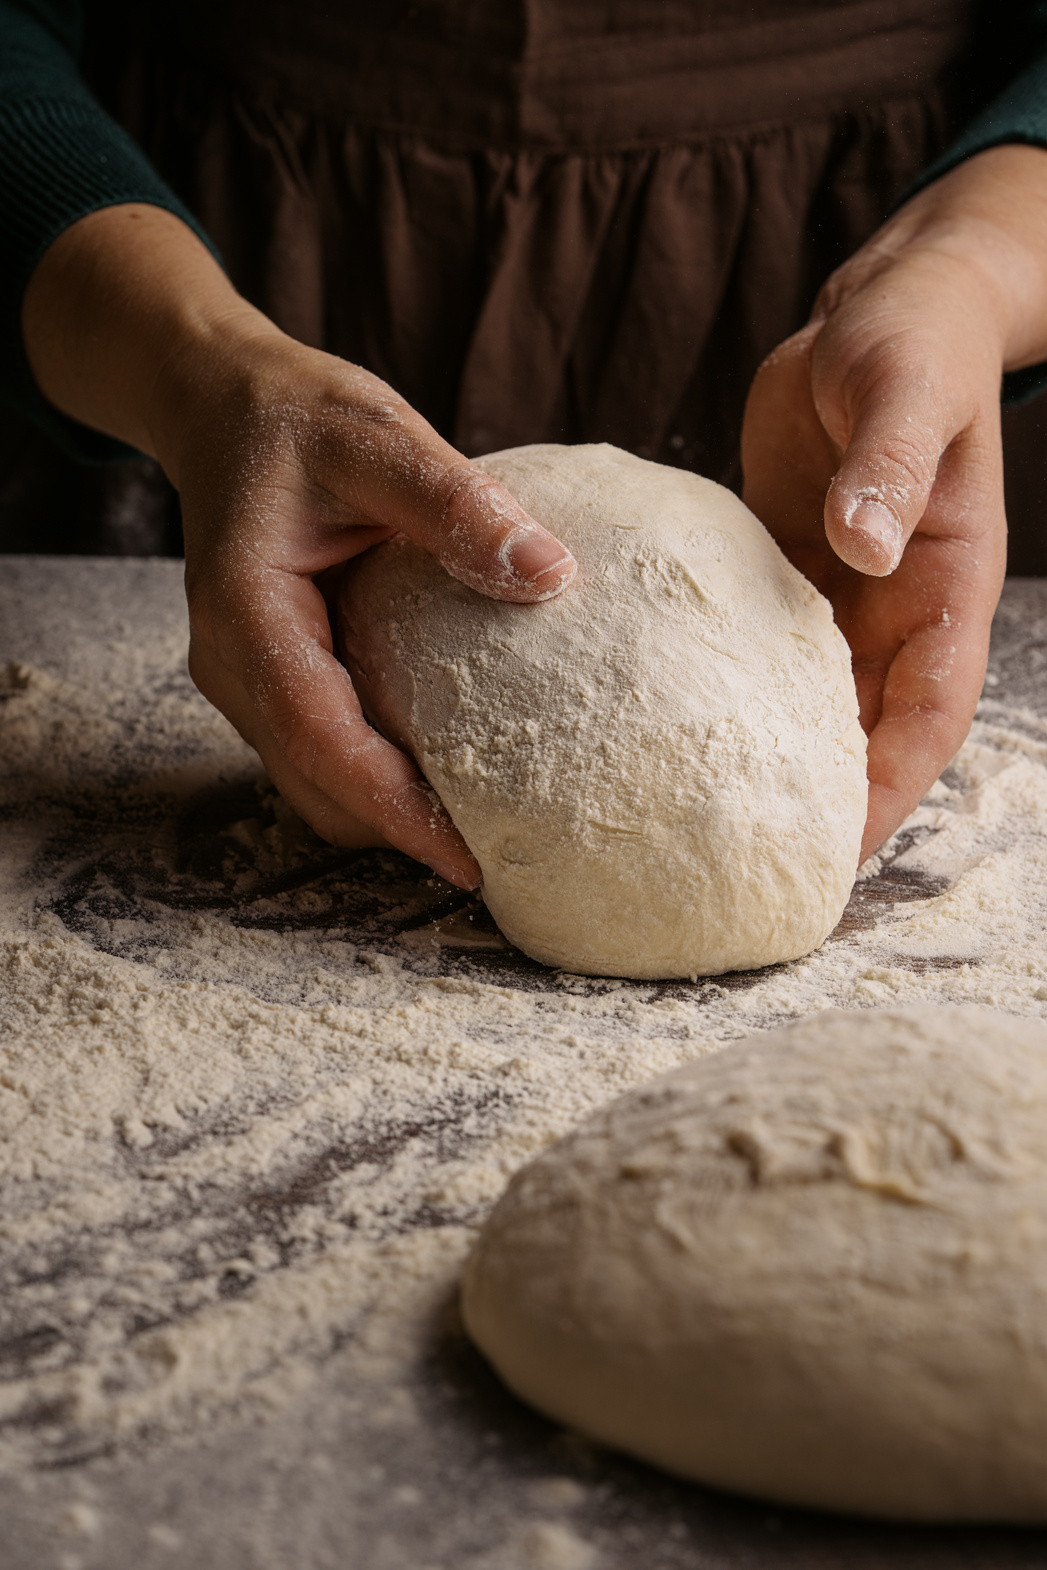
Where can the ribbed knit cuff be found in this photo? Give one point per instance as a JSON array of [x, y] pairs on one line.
[[60, 159], [1018, 114]]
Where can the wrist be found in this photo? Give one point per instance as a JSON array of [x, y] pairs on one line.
[[977, 238], [210, 386], [988, 275]]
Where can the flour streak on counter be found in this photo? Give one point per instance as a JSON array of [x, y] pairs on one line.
[[256, 1094]]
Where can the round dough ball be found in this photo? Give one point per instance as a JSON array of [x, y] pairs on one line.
[[812, 1266], [660, 771]]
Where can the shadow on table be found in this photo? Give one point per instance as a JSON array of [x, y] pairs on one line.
[[642, 1519]]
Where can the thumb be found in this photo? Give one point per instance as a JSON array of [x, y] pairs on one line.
[[399, 474], [890, 462], [482, 535]]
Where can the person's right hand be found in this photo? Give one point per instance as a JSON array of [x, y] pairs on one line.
[[288, 462]]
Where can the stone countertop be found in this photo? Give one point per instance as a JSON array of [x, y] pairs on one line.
[[439, 1468]]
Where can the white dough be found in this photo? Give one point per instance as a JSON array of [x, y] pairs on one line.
[[812, 1266], [660, 771]]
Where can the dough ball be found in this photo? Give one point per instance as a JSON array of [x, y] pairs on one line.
[[660, 771], [812, 1266]]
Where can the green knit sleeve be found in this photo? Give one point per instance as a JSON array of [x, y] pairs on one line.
[[1016, 113], [61, 157]]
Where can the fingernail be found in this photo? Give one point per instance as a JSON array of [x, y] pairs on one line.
[[461, 880], [531, 554], [881, 531]]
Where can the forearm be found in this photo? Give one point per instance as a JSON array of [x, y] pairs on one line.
[[127, 316], [61, 158]]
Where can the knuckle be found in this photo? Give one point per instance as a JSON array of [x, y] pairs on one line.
[[478, 516], [307, 740], [296, 737], [322, 817], [463, 488], [792, 353], [368, 400], [374, 408], [203, 623], [207, 671], [909, 461]]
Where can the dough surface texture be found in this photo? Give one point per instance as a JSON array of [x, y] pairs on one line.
[[661, 771], [812, 1266]]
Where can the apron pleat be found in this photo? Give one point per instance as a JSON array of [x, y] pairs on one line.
[[554, 215], [661, 289]]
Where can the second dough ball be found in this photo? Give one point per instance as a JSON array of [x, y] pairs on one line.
[[812, 1266], [661, 771]]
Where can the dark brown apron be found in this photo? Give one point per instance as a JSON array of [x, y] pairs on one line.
[[539, 220]]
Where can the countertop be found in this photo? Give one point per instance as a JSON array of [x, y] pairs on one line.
[[415, 1463]]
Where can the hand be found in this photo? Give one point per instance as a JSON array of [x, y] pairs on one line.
[[300, 463], [871, 451], [289, 462]]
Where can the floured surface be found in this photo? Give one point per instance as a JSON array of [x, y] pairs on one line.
[[256, 1095]]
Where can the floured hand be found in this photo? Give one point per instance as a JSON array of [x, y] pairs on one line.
[[289, 462], [871, 451]]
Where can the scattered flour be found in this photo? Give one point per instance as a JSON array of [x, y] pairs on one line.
[[257, 1095]]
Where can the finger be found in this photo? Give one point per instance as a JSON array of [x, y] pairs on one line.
[[929, 698], [394, 805], [450, 858], [399, 473], [918, 690], [291, 699], [787, 458], [893, 440], [484, 537], [330, 819]]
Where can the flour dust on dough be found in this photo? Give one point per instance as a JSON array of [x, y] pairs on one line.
[[661, 771], [812, 1267]]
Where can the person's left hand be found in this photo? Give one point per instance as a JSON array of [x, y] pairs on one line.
[[871, 451]]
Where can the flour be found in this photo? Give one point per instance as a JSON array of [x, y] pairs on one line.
[[257, 1095]]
